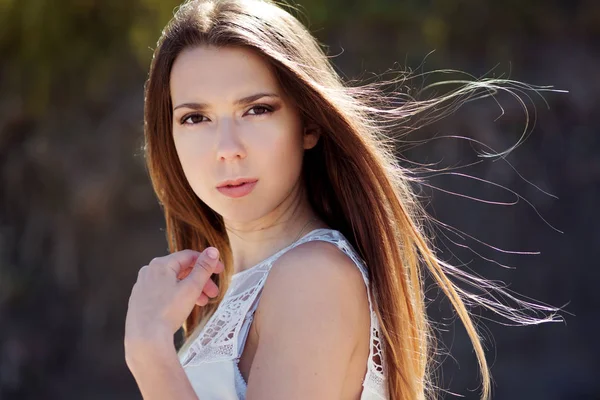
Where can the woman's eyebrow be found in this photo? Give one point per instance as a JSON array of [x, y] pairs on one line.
[[242, 101]]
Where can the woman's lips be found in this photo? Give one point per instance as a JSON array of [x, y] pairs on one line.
[[237, 190]]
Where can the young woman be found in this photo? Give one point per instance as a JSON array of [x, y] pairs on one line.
[[297, 246]]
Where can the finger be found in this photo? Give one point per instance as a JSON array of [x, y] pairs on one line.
[[202, 300], [182, 275], [211, 289], [178, 262], [220, 267], [203, 268]]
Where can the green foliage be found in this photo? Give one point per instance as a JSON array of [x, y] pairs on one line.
[[73, 48], [63, 50]]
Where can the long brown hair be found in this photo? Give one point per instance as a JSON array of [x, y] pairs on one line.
[[352, 169]]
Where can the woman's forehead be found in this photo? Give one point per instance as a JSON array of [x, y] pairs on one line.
[[225, 74]]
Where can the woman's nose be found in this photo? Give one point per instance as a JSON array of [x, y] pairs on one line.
[[229, 146]]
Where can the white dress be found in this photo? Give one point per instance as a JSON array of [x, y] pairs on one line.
[[211, 360]]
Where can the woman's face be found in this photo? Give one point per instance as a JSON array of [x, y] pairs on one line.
[[230, 121]]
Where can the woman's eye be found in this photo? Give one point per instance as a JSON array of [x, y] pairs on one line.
[[259, 110], [192, 119]]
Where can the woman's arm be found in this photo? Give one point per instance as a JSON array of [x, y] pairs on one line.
[[312, 314], [161, 298], [158, 372]]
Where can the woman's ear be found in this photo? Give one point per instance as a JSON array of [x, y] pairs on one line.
[[311, 134]]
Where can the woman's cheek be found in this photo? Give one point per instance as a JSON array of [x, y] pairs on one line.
[[195, 165], [286, 163]]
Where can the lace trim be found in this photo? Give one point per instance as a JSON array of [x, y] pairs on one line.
[[220, 339]]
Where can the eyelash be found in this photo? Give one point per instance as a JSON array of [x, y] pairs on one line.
[[268, 109]]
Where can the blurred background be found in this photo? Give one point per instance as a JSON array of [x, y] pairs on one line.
[[78, 217]]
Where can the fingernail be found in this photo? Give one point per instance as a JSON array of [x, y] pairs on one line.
[[212, 253]]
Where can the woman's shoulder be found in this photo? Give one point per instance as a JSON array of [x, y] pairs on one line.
[[316, 281], [323, 263], [312, 316]]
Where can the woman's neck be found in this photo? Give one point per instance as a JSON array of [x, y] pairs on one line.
[[255, 241]]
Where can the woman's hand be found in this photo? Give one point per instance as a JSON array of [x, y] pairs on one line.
[[165, 293]]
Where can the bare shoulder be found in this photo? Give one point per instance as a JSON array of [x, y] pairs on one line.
[[323, 265], [320, 277], [312, 317]]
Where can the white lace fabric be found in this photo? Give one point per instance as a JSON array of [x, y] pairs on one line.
[[223, 337]]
